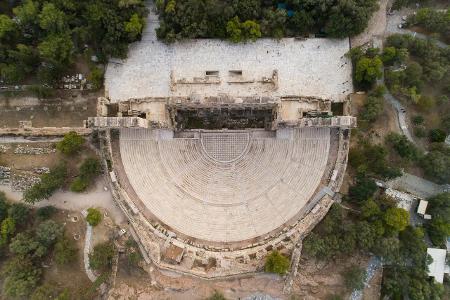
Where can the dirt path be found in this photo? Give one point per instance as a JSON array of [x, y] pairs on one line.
[[96, 197], [376, 27]]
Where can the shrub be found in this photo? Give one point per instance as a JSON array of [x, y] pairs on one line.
[[4, 205], [397, 218], [354, 278], [79, 185], [65, 251], [48, 232], [403, 146], [425, 103], [88, 170], [420, 132], [94, 216], [7, 230], [363, 189], [418, 120], [71, 143], [44, 213], [437, 135], [96, 77], [216, 296], [436, 164], [101, 258], [276, 263], [19, 213]]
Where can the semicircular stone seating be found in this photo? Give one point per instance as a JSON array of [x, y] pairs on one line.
[[223, 188]]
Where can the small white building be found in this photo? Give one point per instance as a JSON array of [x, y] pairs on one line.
[[422, 208], [438, 267]]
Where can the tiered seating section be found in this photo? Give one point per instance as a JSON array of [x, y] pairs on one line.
[[218, 199]]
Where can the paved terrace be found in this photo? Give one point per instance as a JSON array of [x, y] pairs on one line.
[[311, 67], [250, 188]]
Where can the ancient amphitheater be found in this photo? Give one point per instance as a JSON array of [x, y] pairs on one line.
[[219, 162]]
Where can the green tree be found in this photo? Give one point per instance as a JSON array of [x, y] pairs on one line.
[[413, 75], [7, 27], [436, 165], [94, 216], [12, 73], [44, 213], [65, 251], [48, 232], [234, 30], [302, 22], [403, 146], [354, 278], [56, 49], [372, 109], [52, 19], [27, 13], [4, 206], [389, 55], [388, 248], [368, 70], [242, 32], [19, 213], [7, 230], [363, 189], [438, 229], [276, 263], [21, 277], [437, 135], [49, 183], [48, 290], [88, 171], [370, 209], [71, 143], [25, 244], [134, 26], [25, 57], [348, 18], [101, 258], [397, 218], [96, 77]]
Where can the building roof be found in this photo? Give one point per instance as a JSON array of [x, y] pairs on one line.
[[422, 208], [438, 267]]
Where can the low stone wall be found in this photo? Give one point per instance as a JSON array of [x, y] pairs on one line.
[[43, 131]]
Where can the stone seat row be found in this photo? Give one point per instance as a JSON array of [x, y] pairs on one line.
[[222, 202]]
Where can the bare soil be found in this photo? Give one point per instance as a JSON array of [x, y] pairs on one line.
[[316, 280], [72, 276], [67, 109]]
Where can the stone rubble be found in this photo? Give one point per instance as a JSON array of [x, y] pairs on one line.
[[33, 150], [4, 148], [21, 182], [5, 175], [41, 170]]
